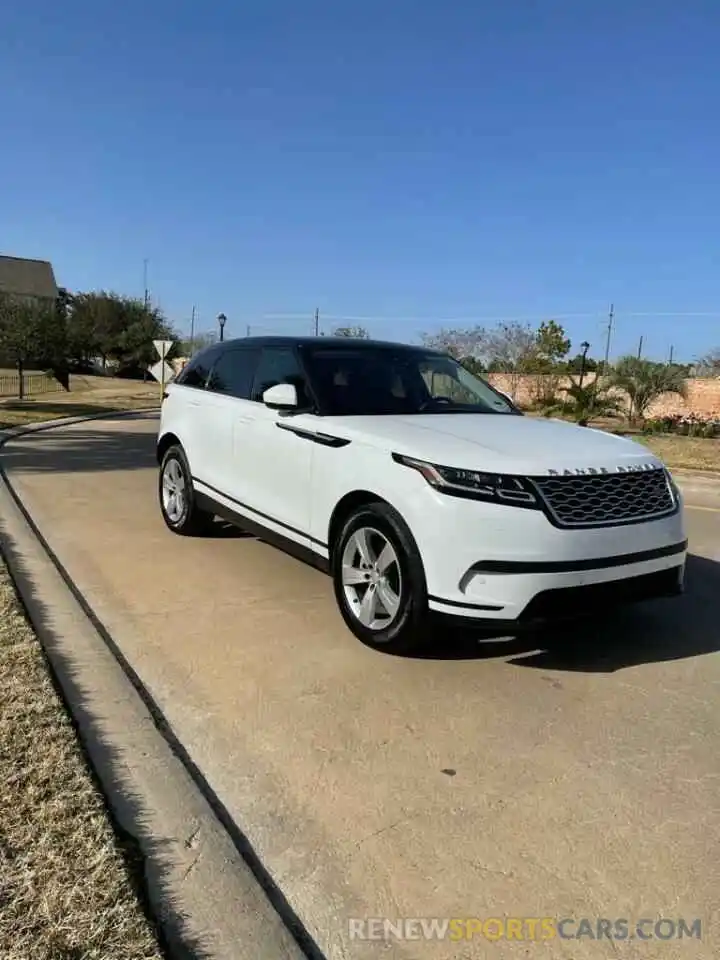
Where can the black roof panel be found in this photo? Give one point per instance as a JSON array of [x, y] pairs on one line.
[[356, 342]]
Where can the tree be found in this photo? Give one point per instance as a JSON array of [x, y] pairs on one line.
[[473, 365], [575, 364], [552, 344], [646, 380], [31, 333], [460, 344], [356, 332], [512, 348], [111, 327], [585, 403], [134, 347], [709, 365], [547, 362]]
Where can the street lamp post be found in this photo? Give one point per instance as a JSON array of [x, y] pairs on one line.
[[584, 346], [222, 320]]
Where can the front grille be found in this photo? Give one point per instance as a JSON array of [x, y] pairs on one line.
[[606, 499]]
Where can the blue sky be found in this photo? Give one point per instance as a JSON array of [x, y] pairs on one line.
[[403, 161]]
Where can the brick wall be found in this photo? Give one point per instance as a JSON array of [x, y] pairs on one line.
[[703, 394]]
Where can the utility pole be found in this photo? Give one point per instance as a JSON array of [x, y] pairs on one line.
[[640, 345], [192, 331], [672, 350], [317, 321], [247, 331], [611, 317], [145, 282]]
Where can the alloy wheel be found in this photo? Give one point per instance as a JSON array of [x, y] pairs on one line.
[[371, 578], [174, 494]]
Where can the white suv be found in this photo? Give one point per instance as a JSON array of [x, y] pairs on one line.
[[419, 487]]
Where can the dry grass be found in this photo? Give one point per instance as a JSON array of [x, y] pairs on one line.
[[87, 396], [678, 452], [684, 453], [12, 371], [66, 891]]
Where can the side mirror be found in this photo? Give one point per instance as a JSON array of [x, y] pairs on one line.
[[283, 396]]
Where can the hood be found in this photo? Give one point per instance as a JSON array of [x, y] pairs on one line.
[[496, 442]]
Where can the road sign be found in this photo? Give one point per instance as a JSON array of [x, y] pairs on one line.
[[162, 371], [163, 347]]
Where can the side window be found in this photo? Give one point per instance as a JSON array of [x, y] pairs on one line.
[[278, 365], [196, 372], [232, 375]]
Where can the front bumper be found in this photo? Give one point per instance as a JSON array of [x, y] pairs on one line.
[[503, 564]]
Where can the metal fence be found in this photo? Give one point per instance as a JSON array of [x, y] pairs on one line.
[[34, 384]]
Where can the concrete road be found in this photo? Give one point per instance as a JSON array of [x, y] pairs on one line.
[[574, 776]]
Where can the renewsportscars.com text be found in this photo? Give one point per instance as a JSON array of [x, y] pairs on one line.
[[531, 929]]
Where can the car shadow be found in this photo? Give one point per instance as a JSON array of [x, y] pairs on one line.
[[222, 530], [83, 448], [668, 629]]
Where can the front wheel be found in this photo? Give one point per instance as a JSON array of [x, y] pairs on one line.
[[379, 580], [177, 496]]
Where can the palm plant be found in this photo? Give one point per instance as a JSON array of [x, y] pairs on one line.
[[646, 380], [585, 403]]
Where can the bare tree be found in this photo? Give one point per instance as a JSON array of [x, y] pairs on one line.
[[512, 350], [709, 365], [459, 343]]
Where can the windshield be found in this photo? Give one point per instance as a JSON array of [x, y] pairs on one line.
[[351, 381]]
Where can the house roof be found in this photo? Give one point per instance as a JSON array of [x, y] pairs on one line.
[[27, 278]]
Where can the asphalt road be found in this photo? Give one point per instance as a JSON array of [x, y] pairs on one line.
[[571, 775]]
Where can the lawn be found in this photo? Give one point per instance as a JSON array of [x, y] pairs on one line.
[[87, 396], [67, 887], [678, 452], [684, 453]]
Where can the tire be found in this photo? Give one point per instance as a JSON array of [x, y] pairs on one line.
[[393, 628], [181, 514]]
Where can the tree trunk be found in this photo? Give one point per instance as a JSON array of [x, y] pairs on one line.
[[21, 383]]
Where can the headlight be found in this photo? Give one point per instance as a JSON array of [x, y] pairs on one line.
[[474, 484]]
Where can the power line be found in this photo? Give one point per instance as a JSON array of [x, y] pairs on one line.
[[473, 320]]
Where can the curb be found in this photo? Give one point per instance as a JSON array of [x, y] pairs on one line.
[[209, 895]]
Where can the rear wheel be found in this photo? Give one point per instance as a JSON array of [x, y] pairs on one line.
[[177, 497], [379, 580]]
